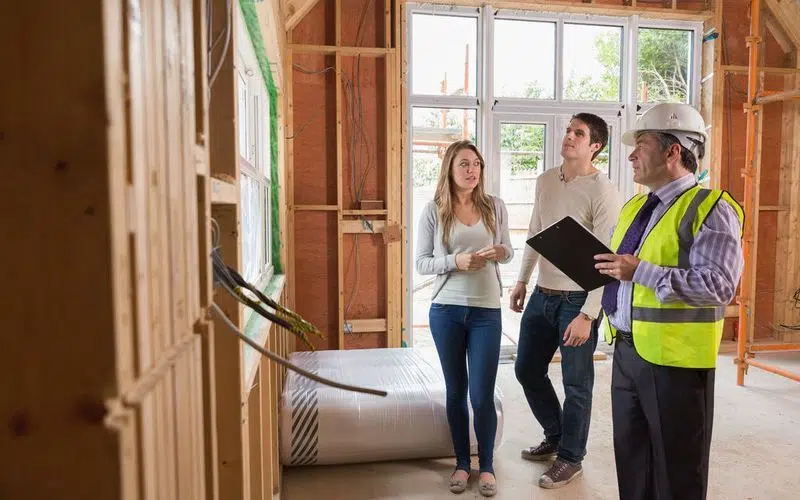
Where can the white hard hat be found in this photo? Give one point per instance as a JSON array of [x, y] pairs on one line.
[[680, 120]]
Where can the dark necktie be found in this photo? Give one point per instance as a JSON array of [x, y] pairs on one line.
[[628, 245]]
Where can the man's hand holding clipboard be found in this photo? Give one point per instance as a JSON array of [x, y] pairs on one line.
[[573, 249], [619, 267]]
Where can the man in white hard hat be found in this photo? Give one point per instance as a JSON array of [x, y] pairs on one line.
[[678, 259]]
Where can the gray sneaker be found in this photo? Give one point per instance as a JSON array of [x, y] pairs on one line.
[[544, 451], [560, 474]]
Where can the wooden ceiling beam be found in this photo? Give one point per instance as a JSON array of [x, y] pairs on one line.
[[786, 13], [778, 32], [296, 10]]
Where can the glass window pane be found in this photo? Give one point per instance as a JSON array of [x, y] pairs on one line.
[[433, 130], [663, 65], [242, 114], [267, 223], [592, 62], [253, 155], [265, 136], [444, 55], [252, 217], [516, 76], [522, 160], [602, 160]]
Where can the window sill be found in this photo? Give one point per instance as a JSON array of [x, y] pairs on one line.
[[258, 329]]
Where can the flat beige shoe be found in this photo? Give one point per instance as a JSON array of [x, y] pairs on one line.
[[487, 489], [458, 485]]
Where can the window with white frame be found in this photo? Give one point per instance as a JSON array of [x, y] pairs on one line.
[[542, 64], [511, 80], [254, 157]]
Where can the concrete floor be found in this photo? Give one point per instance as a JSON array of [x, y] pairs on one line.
[[755, 452]]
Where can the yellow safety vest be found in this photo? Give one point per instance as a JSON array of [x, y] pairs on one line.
[[675, 333]]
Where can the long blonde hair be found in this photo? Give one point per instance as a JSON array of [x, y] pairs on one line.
[[445, 196]]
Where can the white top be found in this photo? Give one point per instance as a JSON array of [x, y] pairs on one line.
[[433, 257], [593, 201], [478, 288]]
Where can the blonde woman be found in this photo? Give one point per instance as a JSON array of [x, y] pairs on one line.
[[463, 235]]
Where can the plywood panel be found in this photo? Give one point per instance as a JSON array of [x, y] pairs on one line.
[[733, 149], [771, 153], [314, 129], [733, 156], [317, 27], [364, 131], [735, 29], [365, 340], [363, 23], [737, 26], [768, 222], [787, 270], [733, 135], [316, 273], [765, 277], [365, 271]]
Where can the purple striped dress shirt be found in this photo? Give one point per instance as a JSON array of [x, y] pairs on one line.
[[715, 260]]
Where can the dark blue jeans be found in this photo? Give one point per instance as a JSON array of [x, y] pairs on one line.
[[544, 321], [468, 341]]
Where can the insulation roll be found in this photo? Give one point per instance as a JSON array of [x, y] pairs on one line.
[[321, 425]]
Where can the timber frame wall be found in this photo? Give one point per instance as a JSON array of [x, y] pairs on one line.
[[118, 385], [763, 94], [247, 388], [772, 207], [344, 270]]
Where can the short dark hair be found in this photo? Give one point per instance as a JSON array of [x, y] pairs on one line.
[[598, 130], [688, 159]]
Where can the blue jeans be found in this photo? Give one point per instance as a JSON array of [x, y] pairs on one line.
[[544, 321], [468, 338]]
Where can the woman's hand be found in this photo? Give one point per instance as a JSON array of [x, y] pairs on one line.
[[494, 252], [469, 261]]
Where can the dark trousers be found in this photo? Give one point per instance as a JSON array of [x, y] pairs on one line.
[[468, 342], [544, 321], [662, 427]]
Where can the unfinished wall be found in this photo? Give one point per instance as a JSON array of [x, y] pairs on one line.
[[774, 277], [105, 194], [344, 183]]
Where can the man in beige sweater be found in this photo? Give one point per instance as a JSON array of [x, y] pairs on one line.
[[560, 314]]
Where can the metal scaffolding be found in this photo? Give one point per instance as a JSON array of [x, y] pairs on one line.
[[756, 99]]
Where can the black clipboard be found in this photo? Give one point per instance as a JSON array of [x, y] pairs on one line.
[[571, 248]]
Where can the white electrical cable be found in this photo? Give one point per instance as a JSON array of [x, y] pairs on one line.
[[228, 21], [281, 361]]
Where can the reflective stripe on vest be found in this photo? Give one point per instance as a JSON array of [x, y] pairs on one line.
[[685, 233], [693, 315], [675, 333]]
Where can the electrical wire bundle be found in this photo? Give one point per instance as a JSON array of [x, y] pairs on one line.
[[234, 284]]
